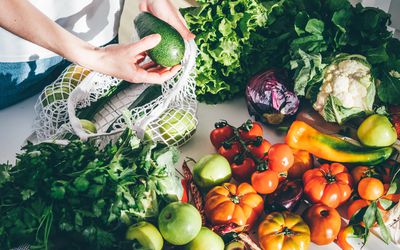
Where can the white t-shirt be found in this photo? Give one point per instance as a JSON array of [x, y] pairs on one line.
[[95, 21]]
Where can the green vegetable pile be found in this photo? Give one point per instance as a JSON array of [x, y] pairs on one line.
[[77, 196], [302, 36]]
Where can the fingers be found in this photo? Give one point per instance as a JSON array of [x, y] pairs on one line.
[[176, 20], [148, 65], [145, 44], [139, 58], [188, 34], [166, 11], [156, 75], [143, 5]]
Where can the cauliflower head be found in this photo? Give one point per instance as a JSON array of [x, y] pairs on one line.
[[347, 89]]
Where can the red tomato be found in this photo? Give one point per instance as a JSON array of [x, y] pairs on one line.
[[259, 148], [221, 133], [280, 157], [324, 223], [360, 172], [265, 182], [250, 130], [230, 152], [242, 172], [330, 184], [370, 188]]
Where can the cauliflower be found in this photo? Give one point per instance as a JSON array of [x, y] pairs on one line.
[[347, 89]]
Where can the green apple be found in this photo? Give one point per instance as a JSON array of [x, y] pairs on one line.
[[179, 223], [206, 239], [210, 171], [146, 235], [176, 124], [377, 131], [51, 95]]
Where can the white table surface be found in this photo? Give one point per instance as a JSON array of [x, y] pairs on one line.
[[16, 125]]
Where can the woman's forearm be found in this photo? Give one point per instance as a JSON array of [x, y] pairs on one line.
[[123, 61], [23, 19]]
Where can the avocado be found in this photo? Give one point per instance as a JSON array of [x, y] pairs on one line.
[[169, 52]]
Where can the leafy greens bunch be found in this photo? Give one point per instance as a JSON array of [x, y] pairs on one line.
[[77, 196]]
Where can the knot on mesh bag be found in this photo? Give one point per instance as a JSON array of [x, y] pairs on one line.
[[170, 118]]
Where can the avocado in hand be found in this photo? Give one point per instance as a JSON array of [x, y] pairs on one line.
[[170, 51]]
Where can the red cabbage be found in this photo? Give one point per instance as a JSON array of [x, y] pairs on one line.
[[268, 99]]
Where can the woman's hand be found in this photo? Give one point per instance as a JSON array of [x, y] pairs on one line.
[[167, 12], [124, 61]]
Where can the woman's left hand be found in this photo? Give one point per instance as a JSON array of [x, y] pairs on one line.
[[167, 12]]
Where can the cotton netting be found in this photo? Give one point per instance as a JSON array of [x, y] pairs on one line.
[[170, 118]]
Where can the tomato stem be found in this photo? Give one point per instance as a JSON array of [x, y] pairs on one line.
[[221, 124], [246, 126], [286, 231], [261, 164], [329, 177], [247, 152], [258, 141], [235, 199], [238, 159]]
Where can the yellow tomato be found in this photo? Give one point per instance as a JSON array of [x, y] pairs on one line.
[[283, 231]]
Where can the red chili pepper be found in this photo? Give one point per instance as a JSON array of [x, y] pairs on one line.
[[185, 196]]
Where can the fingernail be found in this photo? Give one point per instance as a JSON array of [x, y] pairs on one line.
[[156, 36]]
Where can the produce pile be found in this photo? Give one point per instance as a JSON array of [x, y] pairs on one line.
[[303, 187], [238, 39]]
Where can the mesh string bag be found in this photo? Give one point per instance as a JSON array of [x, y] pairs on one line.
[[169, 118], [51, 106]]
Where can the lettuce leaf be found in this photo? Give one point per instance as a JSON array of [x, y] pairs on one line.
[[308, 71]]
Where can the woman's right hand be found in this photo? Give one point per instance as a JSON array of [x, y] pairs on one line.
[[124, 61]]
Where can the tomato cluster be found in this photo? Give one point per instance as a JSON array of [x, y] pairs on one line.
[[253, 159]]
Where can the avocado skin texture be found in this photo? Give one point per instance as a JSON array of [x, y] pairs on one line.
[[169, 52]]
